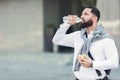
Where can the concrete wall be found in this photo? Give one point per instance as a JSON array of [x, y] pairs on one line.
[[21, 25], [110, 18]]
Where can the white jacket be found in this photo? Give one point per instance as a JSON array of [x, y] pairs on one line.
[[103, 51]]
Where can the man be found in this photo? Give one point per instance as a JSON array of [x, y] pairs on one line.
[[94, 49]]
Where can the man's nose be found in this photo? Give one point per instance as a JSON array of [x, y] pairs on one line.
[[81, 16]]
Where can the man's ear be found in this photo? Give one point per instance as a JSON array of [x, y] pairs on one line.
[[95, 18]]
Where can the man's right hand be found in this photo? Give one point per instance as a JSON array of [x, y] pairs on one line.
[[72, 19]]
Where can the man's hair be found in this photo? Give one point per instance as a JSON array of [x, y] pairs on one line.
[[95, 11]]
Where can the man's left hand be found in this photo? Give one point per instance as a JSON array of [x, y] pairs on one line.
[[86, 62]]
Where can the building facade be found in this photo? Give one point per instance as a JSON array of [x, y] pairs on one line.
[[21, 25], [29, 25], [110, 18]]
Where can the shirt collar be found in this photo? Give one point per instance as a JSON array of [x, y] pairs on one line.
[[90, 35]]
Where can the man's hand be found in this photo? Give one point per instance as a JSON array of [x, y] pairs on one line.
[[85, 60], [72, 19]]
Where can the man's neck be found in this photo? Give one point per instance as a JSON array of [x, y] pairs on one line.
[[91, 28]]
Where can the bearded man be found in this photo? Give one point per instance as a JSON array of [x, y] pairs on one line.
[[95, 52]]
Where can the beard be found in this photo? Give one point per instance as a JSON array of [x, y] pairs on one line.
[[86, 24]]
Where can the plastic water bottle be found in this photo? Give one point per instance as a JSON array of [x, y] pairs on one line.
[[66, 19]]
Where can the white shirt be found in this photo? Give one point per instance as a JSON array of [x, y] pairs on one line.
[[103, 51]]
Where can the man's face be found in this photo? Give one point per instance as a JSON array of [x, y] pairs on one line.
[[86, 15], [86, 24], [86, 18]]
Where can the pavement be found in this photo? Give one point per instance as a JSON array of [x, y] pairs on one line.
[[39, 66]]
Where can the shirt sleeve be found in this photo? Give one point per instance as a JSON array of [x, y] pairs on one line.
[[63, 39], [111, 57]]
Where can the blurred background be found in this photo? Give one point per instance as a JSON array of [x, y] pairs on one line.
[[27, 28]]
